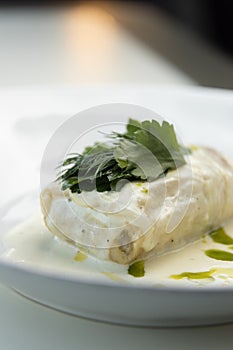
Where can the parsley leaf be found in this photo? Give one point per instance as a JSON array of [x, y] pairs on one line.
[[145, 152]]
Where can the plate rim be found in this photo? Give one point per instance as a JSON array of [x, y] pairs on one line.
[[73, 278]]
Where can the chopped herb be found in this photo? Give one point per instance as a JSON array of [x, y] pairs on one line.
[[147, 151], [137, 269]]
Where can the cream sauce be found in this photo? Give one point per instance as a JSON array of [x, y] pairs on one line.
[[32, 243]]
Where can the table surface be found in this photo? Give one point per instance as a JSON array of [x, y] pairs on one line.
[[59, 47], [90, 44], [26, 325], [76, 45]]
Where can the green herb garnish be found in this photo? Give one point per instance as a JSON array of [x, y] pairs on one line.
[[137, 269], [145, 152]]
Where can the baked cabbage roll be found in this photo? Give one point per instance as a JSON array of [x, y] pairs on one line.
[[145, 219]]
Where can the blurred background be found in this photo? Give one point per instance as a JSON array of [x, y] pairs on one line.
[[60, 57], [96, 42]]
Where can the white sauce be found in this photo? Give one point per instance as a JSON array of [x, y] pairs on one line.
[[32, 243]]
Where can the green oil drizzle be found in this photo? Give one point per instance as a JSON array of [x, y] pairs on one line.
[[80, 257], [204, 238], [194, 148], [219, 254], [220, 236], [137, 269], [113, 276], [194, 275], [220, 272]]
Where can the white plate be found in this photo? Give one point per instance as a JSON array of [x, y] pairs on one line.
[[204, 116]]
